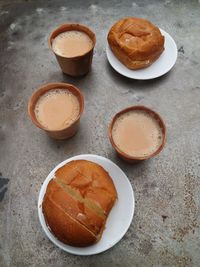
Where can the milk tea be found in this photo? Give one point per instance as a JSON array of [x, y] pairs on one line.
[[137, 133], [72, 43], [57, 109]]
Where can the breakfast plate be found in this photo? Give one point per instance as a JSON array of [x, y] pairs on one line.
[[160, 67], [119, 218]]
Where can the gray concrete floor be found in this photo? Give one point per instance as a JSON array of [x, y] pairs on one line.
[[165, 228]]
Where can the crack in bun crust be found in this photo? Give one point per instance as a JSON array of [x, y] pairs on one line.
[[136, 42]]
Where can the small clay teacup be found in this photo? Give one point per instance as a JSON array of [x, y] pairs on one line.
[[78, 65], [70, 130], [160, 122]]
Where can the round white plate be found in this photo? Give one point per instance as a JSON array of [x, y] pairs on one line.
[[119, 218], [161, 66]]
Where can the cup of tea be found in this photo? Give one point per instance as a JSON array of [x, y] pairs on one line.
[[73, 46], [137, 133], [56, 108]]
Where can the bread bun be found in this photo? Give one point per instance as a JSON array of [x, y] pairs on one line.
[[77, 202], [136, 42]]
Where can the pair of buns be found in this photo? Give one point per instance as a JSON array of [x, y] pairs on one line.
[[136, 42], [77, 202]]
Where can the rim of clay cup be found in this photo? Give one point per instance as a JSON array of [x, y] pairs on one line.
[[68, 27]]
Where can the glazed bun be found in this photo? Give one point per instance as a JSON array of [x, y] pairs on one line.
[[77, 202], [136, 42]]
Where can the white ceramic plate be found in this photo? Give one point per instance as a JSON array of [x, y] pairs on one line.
[[161, 66], [119, 218]]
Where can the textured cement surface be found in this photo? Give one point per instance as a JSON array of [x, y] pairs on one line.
[[165, 228]]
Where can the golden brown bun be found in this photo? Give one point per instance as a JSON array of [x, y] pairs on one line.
[[136, 42], [77, 202]]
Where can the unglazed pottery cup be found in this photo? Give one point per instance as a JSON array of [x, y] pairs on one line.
[[148, 112], [78, 65], [70, 130]]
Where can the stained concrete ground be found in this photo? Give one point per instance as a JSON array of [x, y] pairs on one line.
[[165, 227]]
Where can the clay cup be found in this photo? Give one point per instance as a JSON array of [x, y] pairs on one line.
[[79, 65]]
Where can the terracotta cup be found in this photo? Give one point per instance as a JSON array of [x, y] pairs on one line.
[[79, 65], [153, 114], [70, 130]]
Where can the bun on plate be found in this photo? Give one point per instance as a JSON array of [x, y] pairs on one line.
[[136, 42], [77, 202]]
